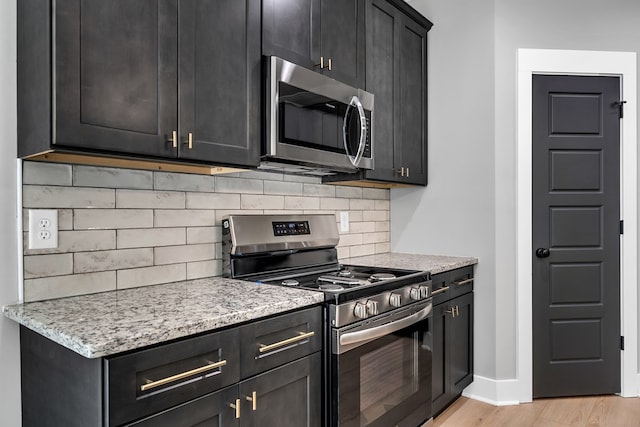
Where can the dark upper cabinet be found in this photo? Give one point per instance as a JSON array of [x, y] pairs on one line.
[[327, 36], [121, 77], [396, 73]]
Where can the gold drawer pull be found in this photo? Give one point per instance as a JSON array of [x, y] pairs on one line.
[[464, 282], [236, 406], [303, 336], [439, 291], [253, 399], [154, 384]]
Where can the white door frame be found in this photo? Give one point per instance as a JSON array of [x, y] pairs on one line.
[[547, 61]]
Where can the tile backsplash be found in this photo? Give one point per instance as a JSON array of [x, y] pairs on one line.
[[122, 228]]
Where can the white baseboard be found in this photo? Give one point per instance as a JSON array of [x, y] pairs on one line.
[[493, 392]]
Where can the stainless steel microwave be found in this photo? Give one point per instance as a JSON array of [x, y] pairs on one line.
[[315, 123]]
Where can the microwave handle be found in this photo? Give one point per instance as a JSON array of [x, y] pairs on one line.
[[355, 102]]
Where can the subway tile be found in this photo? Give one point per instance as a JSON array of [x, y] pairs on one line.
[[319, 190], [184, 253], [96, 219], [221, 213], [343, 252], [92, 176], [77, 241], [355, 216], [348, 192], [362, 250], [218, 250], [136, 277], [319, 212], [382, 205], [283, 211], [213, 201], [269, 176], [238, 185], [65, 286], [143, 199], [37, 196], [145, 238], [182, 182], [375, 193], [197, 235], [382, 226], [375, 215], [301, 202], [65, 219], [382, 248], [43, 173], [183, 218], [362, 227], [258, 201], [284, 188], [379, 237], [303, 179], [200, 269], [86, 262], [350, 239], [362, 205], [334, 203], [47, 265]]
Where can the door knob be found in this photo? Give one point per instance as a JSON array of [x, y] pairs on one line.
[[542, 252]]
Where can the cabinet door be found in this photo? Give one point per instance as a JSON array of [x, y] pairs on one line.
[[288, 396], [211, 410], [462, 343], [287, 30], [116, 75], [441, 373], [343, 41], [220, 81], [382, 71], [411, 121]]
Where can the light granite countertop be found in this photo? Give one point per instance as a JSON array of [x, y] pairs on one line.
[[107, 323], [432, 263]]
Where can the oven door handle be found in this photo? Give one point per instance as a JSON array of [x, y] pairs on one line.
[[358, 337]]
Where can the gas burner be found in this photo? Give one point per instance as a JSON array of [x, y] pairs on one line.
[[290, 282], [334, 279], [330, 287], [345, 273], [378, 277]]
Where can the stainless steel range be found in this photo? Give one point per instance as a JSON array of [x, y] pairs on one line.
[[378, 335]]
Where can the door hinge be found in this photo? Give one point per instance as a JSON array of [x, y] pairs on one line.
[[620, 105], [621, 226], [621, 343]]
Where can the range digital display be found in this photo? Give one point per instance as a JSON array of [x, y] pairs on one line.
[[290, 228]]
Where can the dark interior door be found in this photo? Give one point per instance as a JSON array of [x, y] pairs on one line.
[[576, 240]]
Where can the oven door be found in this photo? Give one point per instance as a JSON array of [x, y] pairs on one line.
[[381, 370]]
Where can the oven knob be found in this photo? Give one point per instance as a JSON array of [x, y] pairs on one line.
[[372, 307], [424, 291], [360, 311], [414, 294], [395, 299]]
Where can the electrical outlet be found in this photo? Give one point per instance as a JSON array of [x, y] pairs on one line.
[[43, 228], [344, 221]]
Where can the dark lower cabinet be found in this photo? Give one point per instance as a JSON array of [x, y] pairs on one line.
[[163, 79], [265, 373], [452, 349]]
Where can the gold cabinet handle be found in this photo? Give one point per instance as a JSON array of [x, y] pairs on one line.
[[253, 399], [464, 282], [401, 170], [190, 140], [439, 291], [457, 311], [303, 336], [452, 312], [321, 64], [330, 63], [407, 172], [200, 370], [174, 139], [236, 406]]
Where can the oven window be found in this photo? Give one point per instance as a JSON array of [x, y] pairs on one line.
[[389, 375]]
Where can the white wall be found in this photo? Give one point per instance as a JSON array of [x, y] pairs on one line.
[[472, 141], [9, 344]]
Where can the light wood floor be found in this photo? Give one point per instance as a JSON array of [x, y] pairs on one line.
[[592, 411]]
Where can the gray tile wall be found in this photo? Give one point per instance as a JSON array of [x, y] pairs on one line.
[[122, 228]]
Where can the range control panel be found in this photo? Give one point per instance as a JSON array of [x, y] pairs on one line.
[[290, 228]]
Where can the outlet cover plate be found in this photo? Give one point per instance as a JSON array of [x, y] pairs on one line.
[[344, 221], [43, 228]]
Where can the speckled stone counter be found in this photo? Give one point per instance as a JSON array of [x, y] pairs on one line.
[[112, 322], [433, 263]]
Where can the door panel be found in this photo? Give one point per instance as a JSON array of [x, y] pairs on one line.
[[576, 213]]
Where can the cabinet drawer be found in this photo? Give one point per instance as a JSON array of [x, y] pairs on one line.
[[149, 381], [461, 280], [440, 287], [276, 341]]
